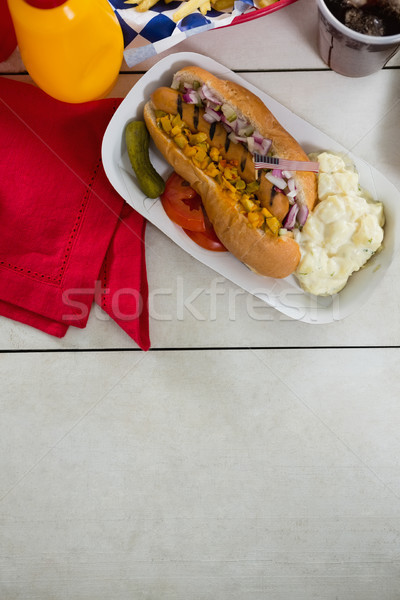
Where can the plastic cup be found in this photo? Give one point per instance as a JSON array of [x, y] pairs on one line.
[[351, 53]]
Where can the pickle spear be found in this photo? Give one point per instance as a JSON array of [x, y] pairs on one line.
[[137, 142]]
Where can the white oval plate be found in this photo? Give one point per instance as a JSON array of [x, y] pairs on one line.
[[283, 294]]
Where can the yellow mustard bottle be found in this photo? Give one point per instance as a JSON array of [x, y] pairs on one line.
[[72, 49]]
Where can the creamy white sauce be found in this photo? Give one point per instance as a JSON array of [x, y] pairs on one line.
[[342, 233]]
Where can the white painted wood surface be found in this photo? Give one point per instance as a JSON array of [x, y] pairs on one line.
[[246, 456]]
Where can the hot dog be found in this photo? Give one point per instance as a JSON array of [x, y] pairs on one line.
[[168, 100], [197, 139]]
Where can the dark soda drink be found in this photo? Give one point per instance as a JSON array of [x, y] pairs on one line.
[[357, 40], [375, 17]]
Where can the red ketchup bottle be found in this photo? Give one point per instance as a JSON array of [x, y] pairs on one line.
[[8, 41]]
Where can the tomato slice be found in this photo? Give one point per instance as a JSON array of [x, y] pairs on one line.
[[183, 204], [206, 239], [184, 207]]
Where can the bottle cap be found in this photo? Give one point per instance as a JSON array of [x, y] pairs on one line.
[[45, 3]]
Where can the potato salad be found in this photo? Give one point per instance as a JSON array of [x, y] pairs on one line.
[[342, 233]]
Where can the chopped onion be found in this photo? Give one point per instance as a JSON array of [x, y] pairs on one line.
[[209, 94], [290, 220], [191, 97], [263, 147], [278, 181], [258, 138], [258, 148], [277, 173], [209, 118], [211, 115], [241, 130], [214, 105], [266, 145], [291, 185], [287, 174], [236, 138], [302, 215], [246, 130], [229, 112], [263, 143], [239, 124], [292, 194], [250, 145]]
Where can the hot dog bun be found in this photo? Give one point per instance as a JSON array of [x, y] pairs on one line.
[[262, 251]]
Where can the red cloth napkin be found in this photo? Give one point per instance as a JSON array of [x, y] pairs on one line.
[[66, 237]]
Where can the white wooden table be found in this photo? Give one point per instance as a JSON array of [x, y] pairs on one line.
[[245, 456]]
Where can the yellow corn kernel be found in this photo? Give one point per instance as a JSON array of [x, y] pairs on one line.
[[252, 187], [266, 212], [273, 224], [211, 170], [180, 141], [197, 138], [200, 154], [175, 130], [166, 124], [214, 154], [204, 164], [189, 151], [177, 122], [228, 185], [203, 145], [248, 204], [228, 173], [256, 219]]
